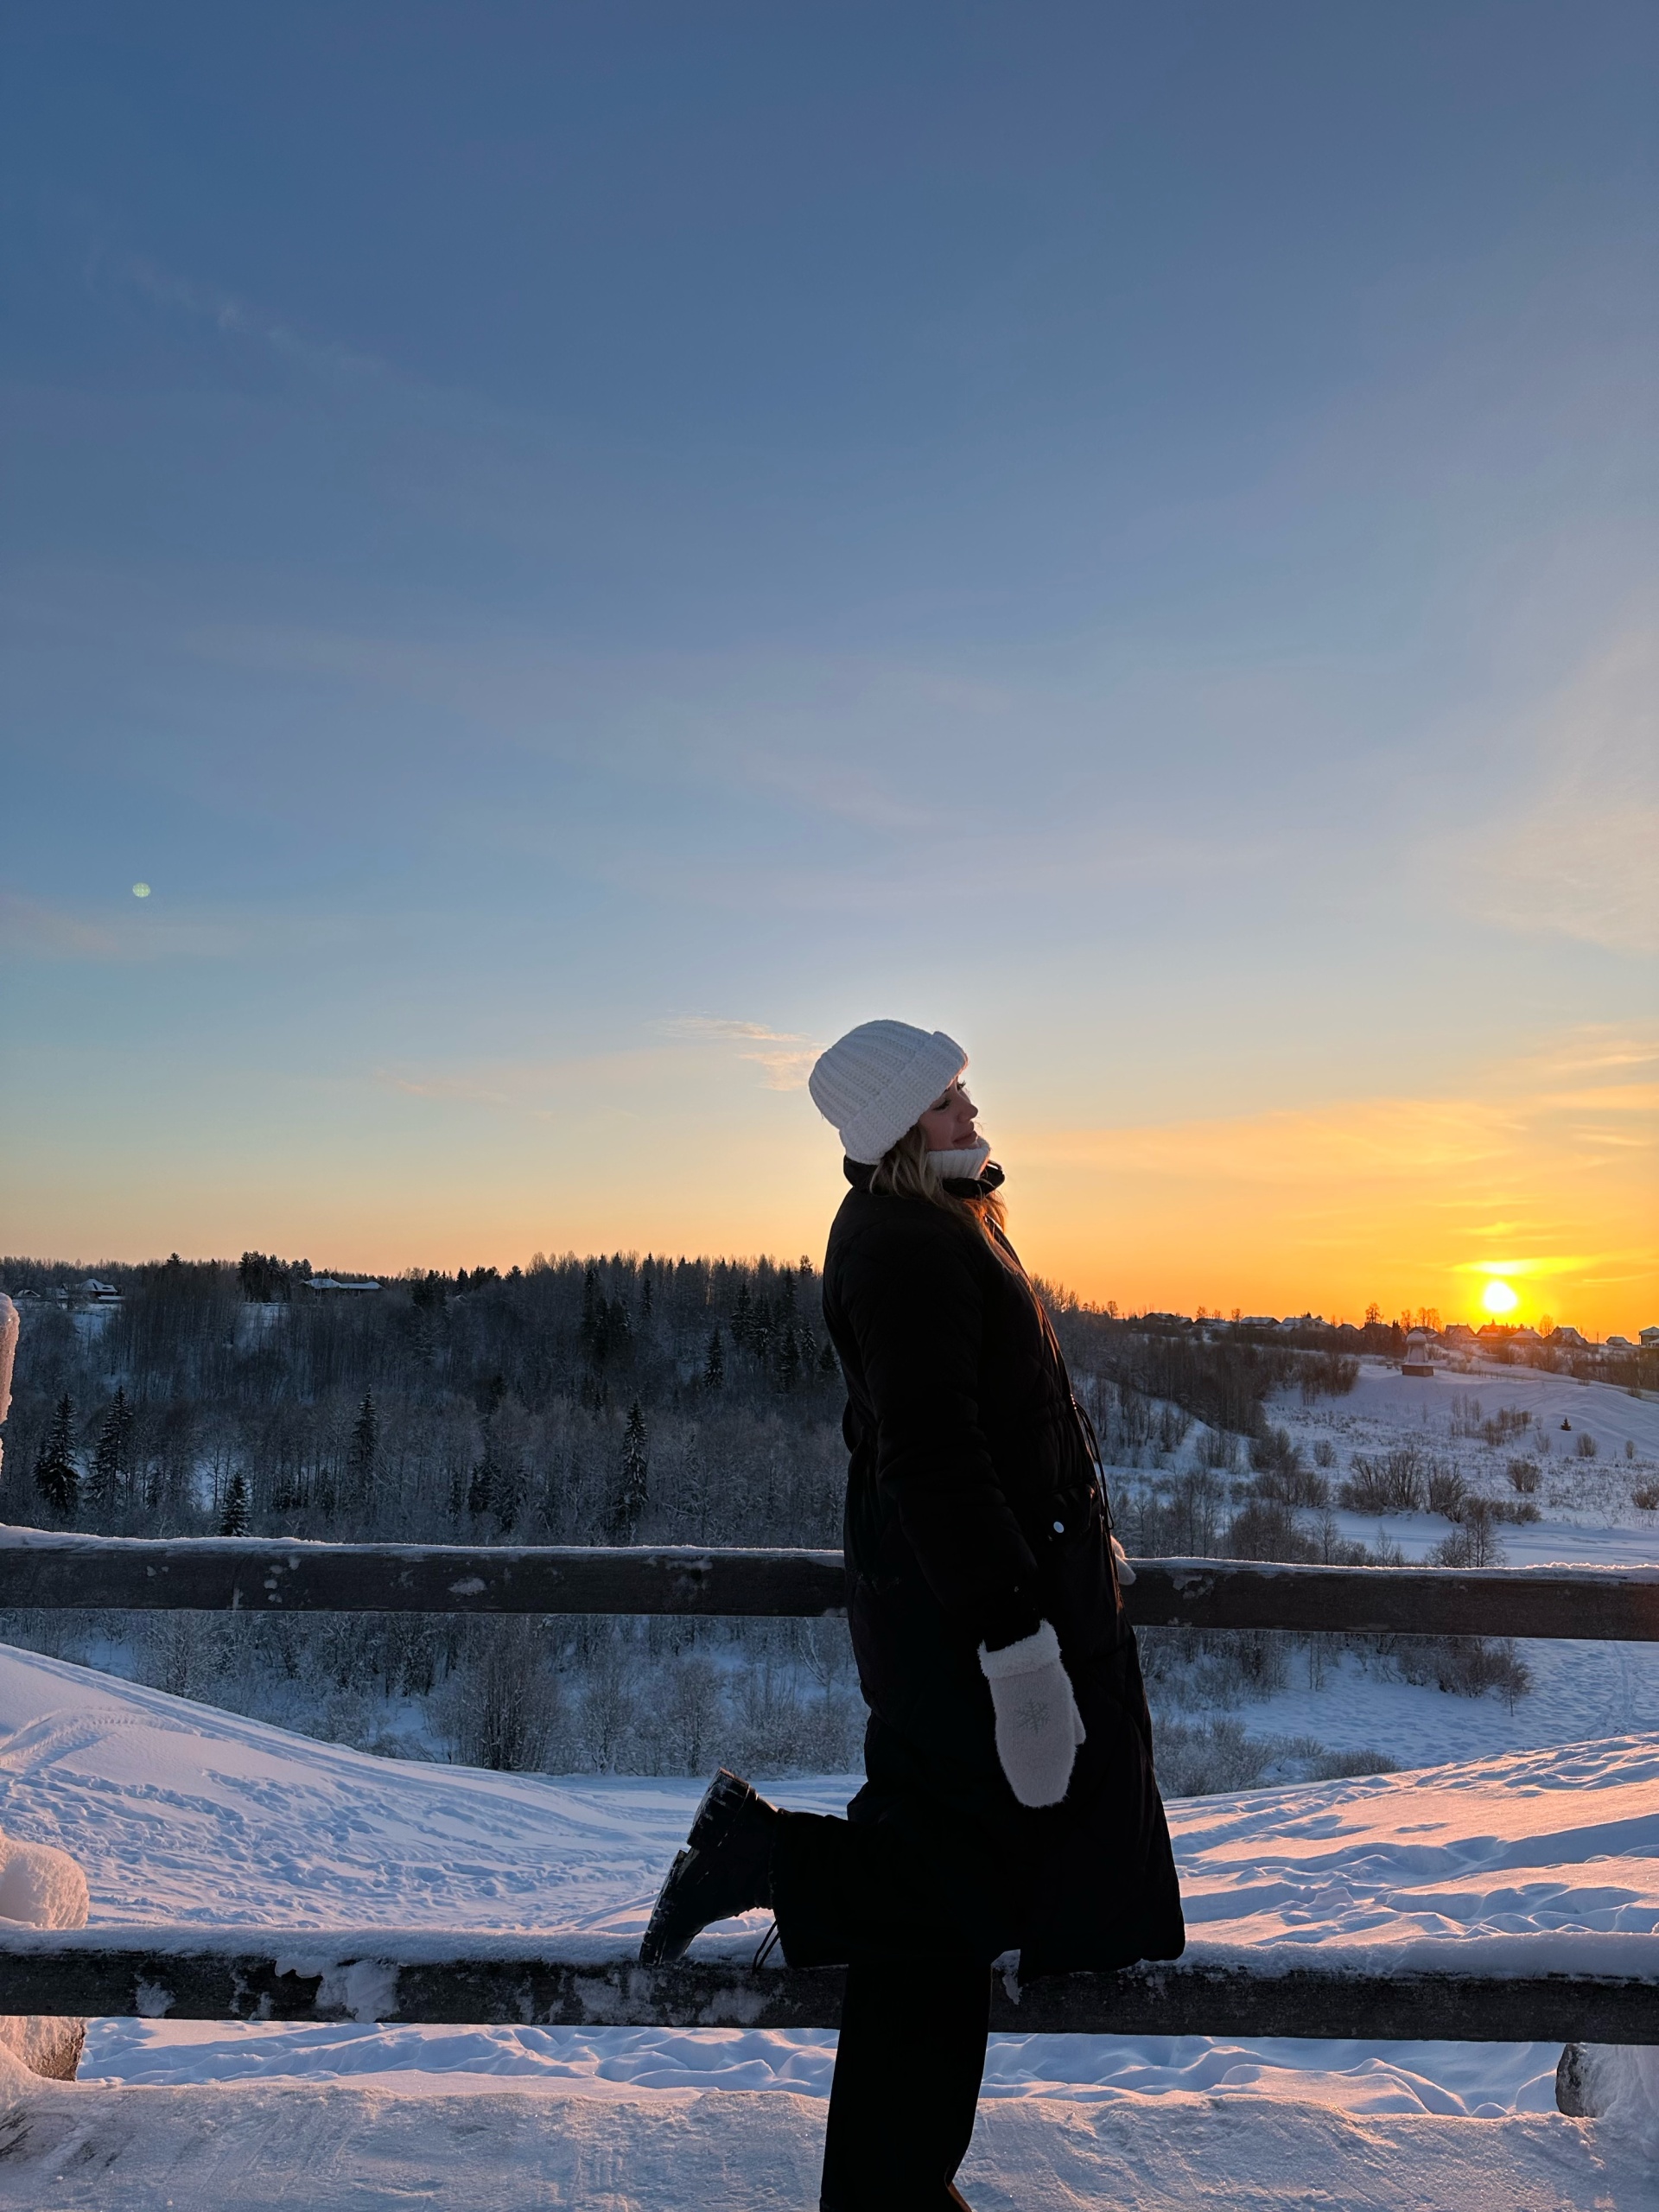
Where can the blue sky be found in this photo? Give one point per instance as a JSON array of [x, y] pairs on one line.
[[581, 550]]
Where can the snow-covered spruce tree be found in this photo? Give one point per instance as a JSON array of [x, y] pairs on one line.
[[634, 1491], [591, 1306], [714, 1373], [486, 1474], [111, 1458], [365, 1451], [56, 1476], [788, 1363], [233, 1521]]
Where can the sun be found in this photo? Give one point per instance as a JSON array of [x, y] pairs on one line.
[[1498, 1298]]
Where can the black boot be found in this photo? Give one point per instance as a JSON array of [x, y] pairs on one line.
[[725, 1869]]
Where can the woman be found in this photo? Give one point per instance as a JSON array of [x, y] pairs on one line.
[[1010, 1804]]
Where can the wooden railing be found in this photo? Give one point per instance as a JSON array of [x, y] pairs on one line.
[[445, 1975], [438, 1976], [268, 1575]]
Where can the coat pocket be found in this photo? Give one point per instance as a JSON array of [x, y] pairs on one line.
[[1080, 1586]]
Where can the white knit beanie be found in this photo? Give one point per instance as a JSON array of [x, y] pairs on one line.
[[878, 1081]]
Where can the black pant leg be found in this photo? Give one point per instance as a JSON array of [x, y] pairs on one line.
[[907, 2074], [841, 1888], [913, 2027]]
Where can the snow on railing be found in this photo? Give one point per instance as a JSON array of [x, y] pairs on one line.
[[1582, 1989]]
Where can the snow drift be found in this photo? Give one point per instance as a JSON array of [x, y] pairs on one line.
[[181, 1813]]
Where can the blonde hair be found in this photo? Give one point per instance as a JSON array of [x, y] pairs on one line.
[[905, 1170]]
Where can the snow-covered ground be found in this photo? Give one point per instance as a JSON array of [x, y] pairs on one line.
[[180, 1813], [350, 2148], [1528, 1835]]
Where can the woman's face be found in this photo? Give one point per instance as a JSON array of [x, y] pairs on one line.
[[948, 1123]]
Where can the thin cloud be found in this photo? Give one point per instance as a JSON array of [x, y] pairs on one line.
[[1596, 1046], [1580, 859], [1372, 1138], [1565, 1263], [786, 1055], [1610, 1098], [134, 931], [465, 1088], [239, 318], [29, 927], [530, 1086]]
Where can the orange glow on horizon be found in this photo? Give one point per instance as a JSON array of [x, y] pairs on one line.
[[1395, 1202], [1327, 1207]]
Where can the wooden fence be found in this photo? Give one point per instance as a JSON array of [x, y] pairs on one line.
[[265, 1574], [195, 1974], [244, 1974]]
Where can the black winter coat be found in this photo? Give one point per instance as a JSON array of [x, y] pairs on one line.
[[972, 1513]]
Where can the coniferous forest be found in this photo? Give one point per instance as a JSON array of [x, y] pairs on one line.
[[597, 1402], [615, 1399]]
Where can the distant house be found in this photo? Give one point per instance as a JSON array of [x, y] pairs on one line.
[[1569, 1339], [99, 1293], [1260, 1321], [1524, 1336], [326, 1283], [1494, 1332], [1620, 1344], [1460, 1332], [1650, 1336], [1418, 1351]]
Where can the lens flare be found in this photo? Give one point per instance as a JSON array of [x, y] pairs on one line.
[[141, 891], [1498, 1298]]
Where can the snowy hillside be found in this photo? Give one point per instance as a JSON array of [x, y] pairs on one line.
[[1579, 1488], [1595, 1449], [1586, 1513], [179, 1813]]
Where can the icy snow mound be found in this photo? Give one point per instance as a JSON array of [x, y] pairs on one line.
[[42, 1887]]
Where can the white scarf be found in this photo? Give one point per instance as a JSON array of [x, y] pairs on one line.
[[966, 1166]]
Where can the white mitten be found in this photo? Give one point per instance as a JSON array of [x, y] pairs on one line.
[[1037, 1725]]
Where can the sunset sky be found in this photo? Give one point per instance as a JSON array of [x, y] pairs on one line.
[[578, 551]]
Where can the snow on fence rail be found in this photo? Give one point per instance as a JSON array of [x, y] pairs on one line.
[[269, 1574], [438, 1976]]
